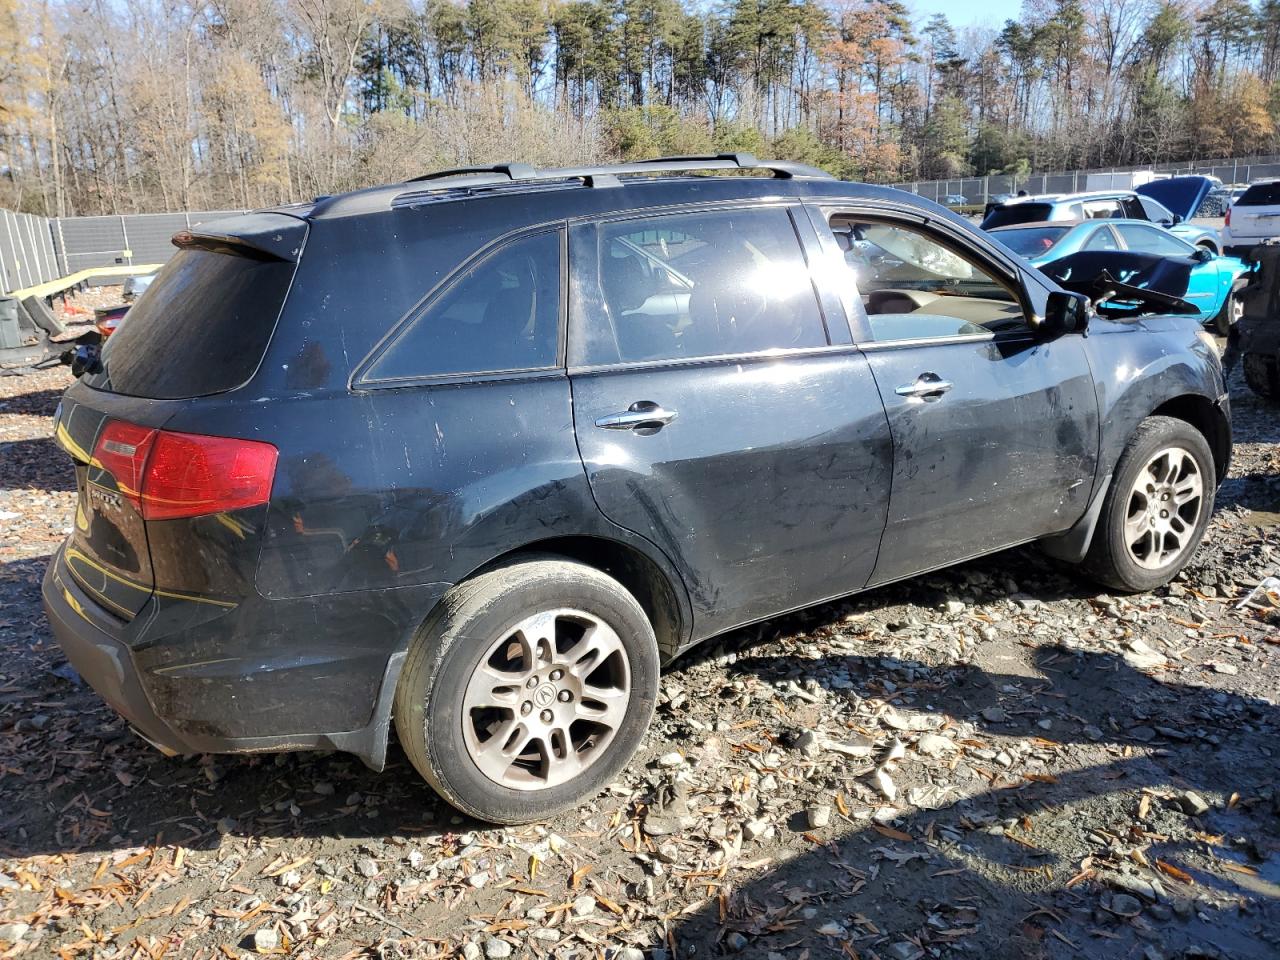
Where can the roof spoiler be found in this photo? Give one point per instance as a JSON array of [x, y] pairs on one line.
[[258, 236]]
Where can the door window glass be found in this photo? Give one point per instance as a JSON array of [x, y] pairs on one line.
[[1101, 239], [915, 287], [702, 284], [1102, 209], [501, 314], [1156, 212], [1142, 239]]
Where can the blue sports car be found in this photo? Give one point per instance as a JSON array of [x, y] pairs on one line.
[[1216, 282]]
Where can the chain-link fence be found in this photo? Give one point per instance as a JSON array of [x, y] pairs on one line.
[[977, 191], [36, 249]]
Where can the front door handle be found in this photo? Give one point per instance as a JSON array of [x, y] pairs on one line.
[[641, 415], [927, 386]]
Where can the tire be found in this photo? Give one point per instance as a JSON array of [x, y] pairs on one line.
[[1228, 314], [508, 619], [1262, 374], [1111, 558]]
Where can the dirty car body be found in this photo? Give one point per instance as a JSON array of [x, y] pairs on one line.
[[264, 533]]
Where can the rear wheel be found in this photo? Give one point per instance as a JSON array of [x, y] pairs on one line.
[[528, 690], [1156, 509]]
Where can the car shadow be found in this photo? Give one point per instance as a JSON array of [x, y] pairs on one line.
[[37, 464], [1060, 846]]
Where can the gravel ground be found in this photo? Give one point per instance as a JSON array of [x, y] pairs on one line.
[[996, 761]]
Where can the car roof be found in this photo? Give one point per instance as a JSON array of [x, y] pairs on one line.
[[1071, 197], [1033, 224], [466, 183]]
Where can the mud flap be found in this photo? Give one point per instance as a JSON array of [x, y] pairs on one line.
[[1072, 546]]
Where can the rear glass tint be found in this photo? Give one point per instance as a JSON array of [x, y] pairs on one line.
[[1032, 241], [200, 328], [1008, 214], [1261, 195], [502, 314]]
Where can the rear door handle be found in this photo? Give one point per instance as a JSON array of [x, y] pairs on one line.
[[927, 386], [640, 415]]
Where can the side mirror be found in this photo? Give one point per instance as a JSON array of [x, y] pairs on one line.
[[1202, 255], [1064, 312]]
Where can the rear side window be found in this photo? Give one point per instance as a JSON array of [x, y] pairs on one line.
[[501, 314], [1008, 214], [200, 328], [699, 285], [1102, 239], [1261, 195], [1031, 241]]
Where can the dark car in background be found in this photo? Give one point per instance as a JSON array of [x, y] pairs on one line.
[[476, 453]]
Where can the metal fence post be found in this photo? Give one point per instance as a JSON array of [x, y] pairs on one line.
[[124, 232], [62, 248]]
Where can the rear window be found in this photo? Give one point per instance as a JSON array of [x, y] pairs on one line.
[[1261, 195], [1032, 241], [1008, 214], [200, 328]]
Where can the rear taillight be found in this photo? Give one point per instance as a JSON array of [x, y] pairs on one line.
[[168, 475], [1227, 223]]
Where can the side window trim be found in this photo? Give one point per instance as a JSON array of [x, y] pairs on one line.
[[584, 260], [359, 377], [860, 326]]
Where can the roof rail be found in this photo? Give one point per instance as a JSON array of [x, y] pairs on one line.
[[462, 182], [605, 175], [512, 171]]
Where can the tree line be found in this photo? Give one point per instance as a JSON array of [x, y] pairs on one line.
[[118, 106]]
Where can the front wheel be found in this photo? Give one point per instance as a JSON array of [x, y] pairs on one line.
[[528, 690], [1229, 314], [1156, 509]]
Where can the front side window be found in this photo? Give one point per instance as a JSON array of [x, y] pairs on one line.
[[1155, 211], [913, 286], [712, 283], [1151, 240], [501, 314]]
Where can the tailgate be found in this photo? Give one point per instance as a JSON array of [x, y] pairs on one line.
[[107, 552], [1255, 221]]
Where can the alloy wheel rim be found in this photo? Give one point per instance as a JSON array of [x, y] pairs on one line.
[[546, 699], [1164, 509]]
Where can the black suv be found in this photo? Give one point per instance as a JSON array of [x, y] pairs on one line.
[[478, 452]]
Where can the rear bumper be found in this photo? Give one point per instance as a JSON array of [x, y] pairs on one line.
[[104, 662], [266, 676]]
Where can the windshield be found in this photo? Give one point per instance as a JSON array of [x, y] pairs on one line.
[[1011, 213], [1031, 241]]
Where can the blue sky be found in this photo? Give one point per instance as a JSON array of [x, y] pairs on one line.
[[966, 13]]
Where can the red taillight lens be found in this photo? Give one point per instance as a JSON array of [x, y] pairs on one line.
[[171, 475], [189, 475], [122, 451], [1228, 220]]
